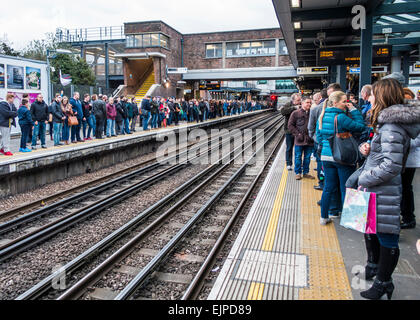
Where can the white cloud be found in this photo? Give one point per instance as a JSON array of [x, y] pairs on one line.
[[33, 19]]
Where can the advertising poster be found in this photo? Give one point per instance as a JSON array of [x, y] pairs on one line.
[[19, 97], [1, 75], [15, 77], [33, 78]]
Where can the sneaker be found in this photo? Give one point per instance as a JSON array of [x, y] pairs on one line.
[[334, 215], [324, 222], [27, 150], [319, 203], [44, 147], [298, 177], [318, 187], [33, 147], [308, 176], [289, 168], [8, 153], [21, 150]]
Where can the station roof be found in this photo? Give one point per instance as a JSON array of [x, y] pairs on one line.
[[302, 20], [260, 73]]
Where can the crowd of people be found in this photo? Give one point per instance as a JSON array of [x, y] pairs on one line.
[[98, 116], [384, 158]]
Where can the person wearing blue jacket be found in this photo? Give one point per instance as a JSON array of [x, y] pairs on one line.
[[336, 174], [78, 112], [25, 123]]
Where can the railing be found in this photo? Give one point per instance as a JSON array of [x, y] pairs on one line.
[[90, 34]]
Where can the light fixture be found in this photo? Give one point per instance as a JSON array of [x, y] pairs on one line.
[[295, 3], [297, 25], [299, 40]]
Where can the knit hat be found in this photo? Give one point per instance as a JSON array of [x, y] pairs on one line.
[[397, 76]]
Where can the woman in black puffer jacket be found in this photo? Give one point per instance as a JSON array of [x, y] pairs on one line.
[[395, 124]]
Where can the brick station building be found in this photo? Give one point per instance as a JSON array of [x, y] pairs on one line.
[[147, 50]]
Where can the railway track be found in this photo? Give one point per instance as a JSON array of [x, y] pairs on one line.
[[46, 204], [165, 204], [64, 218]]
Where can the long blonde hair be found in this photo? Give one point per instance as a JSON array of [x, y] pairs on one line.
[[329, 103]]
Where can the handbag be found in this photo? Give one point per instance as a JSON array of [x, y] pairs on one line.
[[359, 211], [73, 121], [344, 147]]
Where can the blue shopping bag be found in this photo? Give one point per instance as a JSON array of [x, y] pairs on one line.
[[355, 210]]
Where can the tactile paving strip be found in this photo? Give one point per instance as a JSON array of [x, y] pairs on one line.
[[327, 274]]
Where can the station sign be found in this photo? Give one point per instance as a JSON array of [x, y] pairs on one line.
[[312, 71], [177, 70], [351, 55], [375, 69], [209, 85]]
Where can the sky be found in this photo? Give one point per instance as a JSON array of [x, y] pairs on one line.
[[31, 20]]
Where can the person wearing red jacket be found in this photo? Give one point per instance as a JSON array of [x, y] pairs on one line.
[[111, 114]]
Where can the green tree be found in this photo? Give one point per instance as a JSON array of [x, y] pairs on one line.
[[7, 50], [76, 67]]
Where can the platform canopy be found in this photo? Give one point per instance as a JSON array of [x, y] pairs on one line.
[[395, 23], [241, 73]]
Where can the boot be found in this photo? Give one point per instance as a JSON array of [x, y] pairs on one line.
[[388, 260], [372, 249]]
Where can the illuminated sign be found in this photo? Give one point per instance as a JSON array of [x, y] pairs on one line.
[[312, 71], [209, 85], [351, 55], [416, 67]]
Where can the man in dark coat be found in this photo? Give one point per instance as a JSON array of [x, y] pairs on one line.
[[298, 126], [286, 111], [145, 111], [40, 114]]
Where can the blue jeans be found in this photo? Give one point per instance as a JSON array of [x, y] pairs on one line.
[[25, 129], [88, 122], [336, 176], [58, 127], [388, 240], [154, 120], [306, 151], [66, 131], [146, 117], [75, 131], [290, 141], [127, 125], [39, 129], [110, 127]]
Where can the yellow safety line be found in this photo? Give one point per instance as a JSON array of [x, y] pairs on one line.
[[275, 214], [256, 289], [327, 278]]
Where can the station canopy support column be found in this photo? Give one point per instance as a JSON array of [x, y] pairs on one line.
[[366, 53]]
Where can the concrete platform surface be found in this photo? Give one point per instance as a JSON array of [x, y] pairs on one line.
[[283, 253]]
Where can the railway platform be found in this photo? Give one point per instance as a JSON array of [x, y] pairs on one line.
[[25, 171], [283, 253]]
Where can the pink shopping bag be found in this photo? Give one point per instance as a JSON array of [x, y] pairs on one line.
[[371, 218]]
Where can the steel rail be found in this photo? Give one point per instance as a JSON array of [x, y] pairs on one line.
[[9, 225], [79, 261], [197, 283], [77, 290], [138, 280]]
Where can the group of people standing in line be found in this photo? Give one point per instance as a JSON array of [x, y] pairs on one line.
[[159, 112], [98, 116], [387, 129]]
